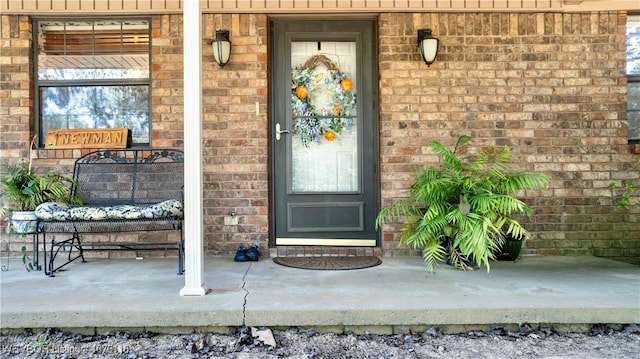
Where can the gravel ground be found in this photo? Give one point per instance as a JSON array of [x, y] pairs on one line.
[[603, 342]]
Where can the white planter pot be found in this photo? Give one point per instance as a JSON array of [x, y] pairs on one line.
[[24, 222]]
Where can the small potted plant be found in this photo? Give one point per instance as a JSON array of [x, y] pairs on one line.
[[461, 212], [23, 190]]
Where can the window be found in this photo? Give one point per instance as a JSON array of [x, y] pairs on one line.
[[633, 77], [93, 74]]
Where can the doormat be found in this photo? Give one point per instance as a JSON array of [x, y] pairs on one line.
[[329, 263]]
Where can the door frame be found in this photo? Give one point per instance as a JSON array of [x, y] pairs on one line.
[[370, 76]]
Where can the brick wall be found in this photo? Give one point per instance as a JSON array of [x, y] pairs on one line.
[[166, 82], [16, 104], [235, 138], [551, 86]]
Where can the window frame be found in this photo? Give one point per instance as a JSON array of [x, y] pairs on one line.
[[40, 84]]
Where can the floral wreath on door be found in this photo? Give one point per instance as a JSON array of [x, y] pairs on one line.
[[323, 101]]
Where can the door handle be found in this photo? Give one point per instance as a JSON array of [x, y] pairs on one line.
[[278, 132]]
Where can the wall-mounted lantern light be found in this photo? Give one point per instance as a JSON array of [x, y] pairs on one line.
[[221, 47], [428, 46]]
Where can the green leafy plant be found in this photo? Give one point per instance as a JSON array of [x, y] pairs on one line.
[[24, 190], [41, 343], [625, 198], [461, 211], [26, 261]]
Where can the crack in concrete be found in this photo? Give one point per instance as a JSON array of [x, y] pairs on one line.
[[246, 294]]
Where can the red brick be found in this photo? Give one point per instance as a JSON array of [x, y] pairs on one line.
[[549, 85]]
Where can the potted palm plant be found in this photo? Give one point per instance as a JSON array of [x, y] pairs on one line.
[[23, 190], [462, 211]]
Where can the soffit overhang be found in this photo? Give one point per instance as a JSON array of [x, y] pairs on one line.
[[135, 7]]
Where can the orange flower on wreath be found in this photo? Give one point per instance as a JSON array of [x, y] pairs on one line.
[[336, 109], [302, 92], [346, 85], [329, 136]]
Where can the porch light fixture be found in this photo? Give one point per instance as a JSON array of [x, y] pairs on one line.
[[428, 46], [221, 47]]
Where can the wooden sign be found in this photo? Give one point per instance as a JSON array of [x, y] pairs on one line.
[[87, 138]]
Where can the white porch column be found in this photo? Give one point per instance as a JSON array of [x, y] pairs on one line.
[[193, 235]]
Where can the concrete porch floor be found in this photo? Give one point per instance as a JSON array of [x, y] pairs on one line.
[[398, 295]]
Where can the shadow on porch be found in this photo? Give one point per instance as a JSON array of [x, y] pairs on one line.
[[570, 293]]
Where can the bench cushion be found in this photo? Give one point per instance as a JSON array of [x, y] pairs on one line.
[[55, 211]]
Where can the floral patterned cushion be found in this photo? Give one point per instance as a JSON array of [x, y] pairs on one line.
[[54, 211]]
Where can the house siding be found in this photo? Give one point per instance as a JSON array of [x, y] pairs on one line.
[[549, 85]]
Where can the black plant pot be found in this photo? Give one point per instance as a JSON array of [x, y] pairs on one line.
[[510, 251], [470, 262]]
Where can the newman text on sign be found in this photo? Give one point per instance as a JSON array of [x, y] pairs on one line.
[[87, 138]]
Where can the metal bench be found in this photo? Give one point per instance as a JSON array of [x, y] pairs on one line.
[[123, 179]]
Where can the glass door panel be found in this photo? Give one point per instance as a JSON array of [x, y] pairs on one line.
[[325, 137]]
